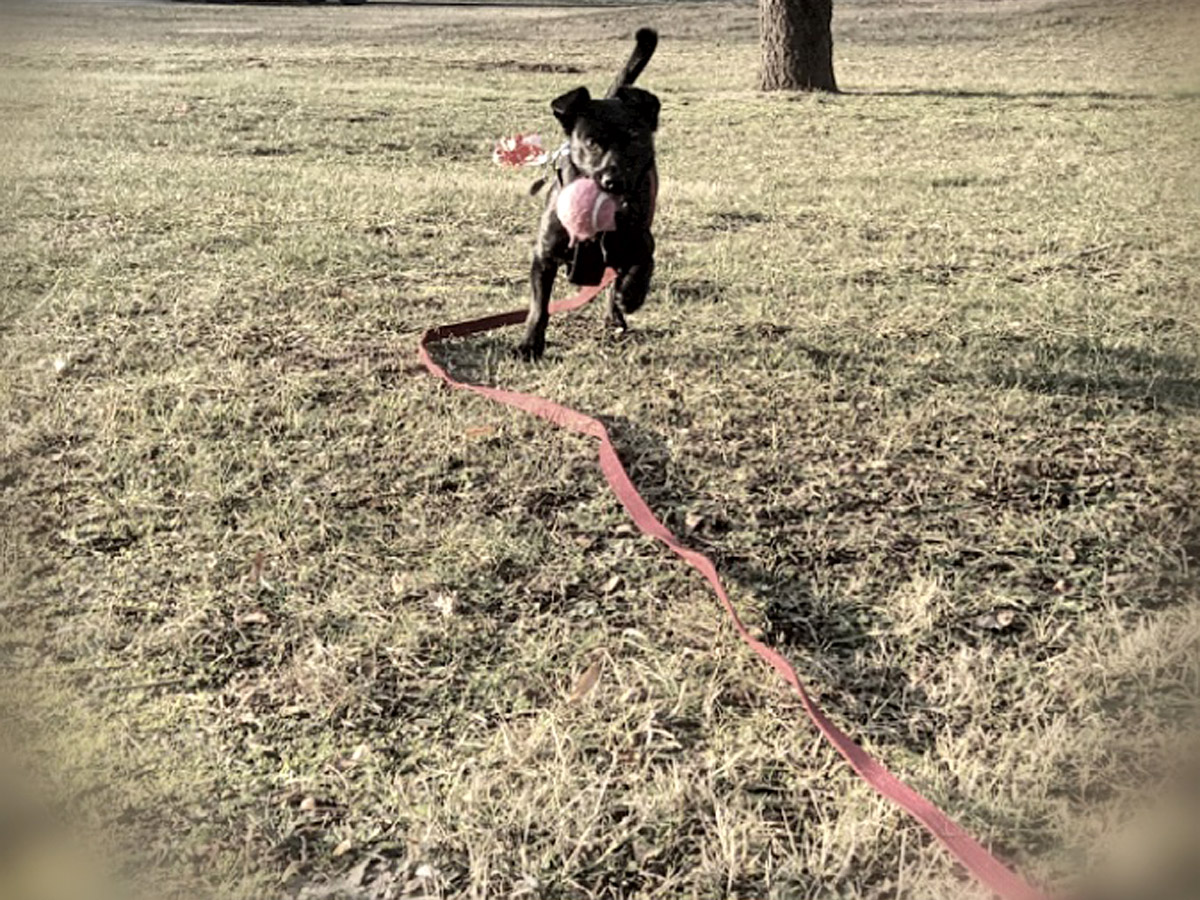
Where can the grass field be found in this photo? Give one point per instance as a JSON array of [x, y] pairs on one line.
[[920, 370]]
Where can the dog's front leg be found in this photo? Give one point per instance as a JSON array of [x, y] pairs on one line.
[[541, 278], [629, 293], [632, 255]]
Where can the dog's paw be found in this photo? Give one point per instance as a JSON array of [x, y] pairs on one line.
[[529, 351], [616, 320], [631, 302]]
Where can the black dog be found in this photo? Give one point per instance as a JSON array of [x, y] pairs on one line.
[[612, 141]]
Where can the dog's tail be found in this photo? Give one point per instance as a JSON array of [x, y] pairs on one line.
[[647, 40]]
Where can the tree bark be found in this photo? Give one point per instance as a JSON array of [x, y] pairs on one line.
[[797, 45]]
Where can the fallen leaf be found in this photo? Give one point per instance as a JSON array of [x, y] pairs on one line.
[[256, 567], [1120, 581], [343, 848], [480, 431], [308, 804], [357, 876], [996, 620], [445, 603], [612, 584], [254, 617], [587, 681], [405, 583], [527, 885]]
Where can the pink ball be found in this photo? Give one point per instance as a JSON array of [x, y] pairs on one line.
[[585, 210]]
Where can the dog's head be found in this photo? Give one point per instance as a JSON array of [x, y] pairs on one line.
[[612, 140]]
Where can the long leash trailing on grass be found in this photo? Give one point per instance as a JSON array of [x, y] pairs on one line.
[[985, 867]]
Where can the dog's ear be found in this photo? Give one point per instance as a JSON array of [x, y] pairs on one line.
[[567, 107], [643, 103]]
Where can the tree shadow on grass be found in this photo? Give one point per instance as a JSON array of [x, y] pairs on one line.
[[966, 94], [1086, 368], [823, 637], [823, 640]]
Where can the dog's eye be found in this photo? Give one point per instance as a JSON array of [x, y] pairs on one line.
[[590, 143]]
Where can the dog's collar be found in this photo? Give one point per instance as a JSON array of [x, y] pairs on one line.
[[554, 162]]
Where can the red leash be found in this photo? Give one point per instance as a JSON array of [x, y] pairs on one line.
[[985, 867]]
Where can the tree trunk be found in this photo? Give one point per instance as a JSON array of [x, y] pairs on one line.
[[797, 45]]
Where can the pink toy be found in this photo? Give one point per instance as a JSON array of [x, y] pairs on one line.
[[520, 150], [585, 210]]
